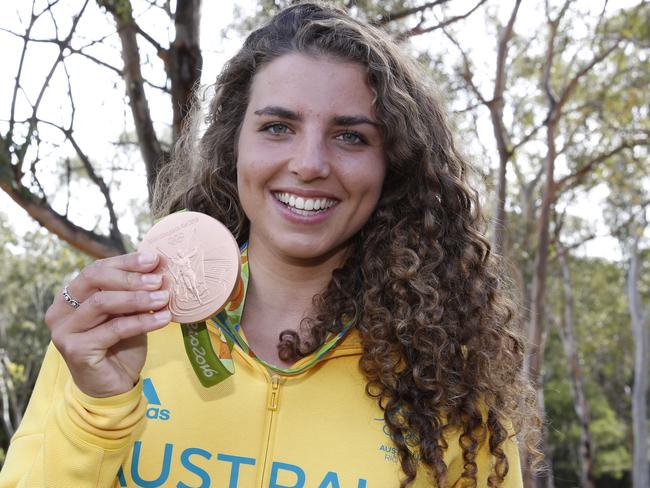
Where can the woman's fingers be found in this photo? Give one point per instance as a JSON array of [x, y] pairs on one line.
[[104, 304], [126, 272], [118, 329], [107, 359], [98, 324], [103, 340]]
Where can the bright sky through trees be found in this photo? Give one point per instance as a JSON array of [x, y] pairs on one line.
[[102, 115]]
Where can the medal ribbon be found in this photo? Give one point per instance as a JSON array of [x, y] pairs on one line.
[[213, 367]]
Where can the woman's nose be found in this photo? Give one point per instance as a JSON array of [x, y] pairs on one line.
[[311, 160]]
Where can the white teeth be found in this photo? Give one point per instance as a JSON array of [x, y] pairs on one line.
[[300, 203], [304, 206]]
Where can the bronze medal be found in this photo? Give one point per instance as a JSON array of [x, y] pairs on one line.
[[199, 262]]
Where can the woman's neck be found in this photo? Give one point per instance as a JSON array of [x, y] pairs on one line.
[[280, 294]]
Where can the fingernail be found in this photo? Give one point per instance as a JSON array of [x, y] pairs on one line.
[[159, 296], [151, 279], [162, 316], [146, 257]]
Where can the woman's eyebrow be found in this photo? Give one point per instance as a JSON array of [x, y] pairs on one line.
[[285, 113], [354, 120], [277, 111]]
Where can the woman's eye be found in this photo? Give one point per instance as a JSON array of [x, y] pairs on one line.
[[351, 138], [276, 129]]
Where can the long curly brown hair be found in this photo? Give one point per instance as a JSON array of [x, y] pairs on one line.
[[440, 351]]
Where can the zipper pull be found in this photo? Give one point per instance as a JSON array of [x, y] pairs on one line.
[[274, 393]]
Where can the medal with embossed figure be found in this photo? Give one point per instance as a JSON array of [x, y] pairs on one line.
[[199, 261]]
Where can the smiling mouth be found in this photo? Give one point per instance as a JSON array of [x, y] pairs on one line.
[[304, 206]]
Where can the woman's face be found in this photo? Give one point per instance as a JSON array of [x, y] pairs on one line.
[[311, 162]]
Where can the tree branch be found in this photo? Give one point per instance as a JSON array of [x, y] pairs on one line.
[[387, 17], [550, 54], [468, 108], [500, 132], [573, 83], [159, 49], [526, 137], [116, 235], [80, 51], [502, 54], [468, 75], [32, 123], [416, 31], [86, 241], [150, 147], [601, 17], [12, 112], [574, 179]]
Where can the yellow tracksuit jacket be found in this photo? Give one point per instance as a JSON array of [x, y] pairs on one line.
[[315, 430]]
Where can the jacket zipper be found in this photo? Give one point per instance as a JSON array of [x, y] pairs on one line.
[[272, 406]]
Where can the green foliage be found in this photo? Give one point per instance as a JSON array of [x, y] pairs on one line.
[[563, 429], [603, 129], [604, 344], [33, 269], [609, 434]]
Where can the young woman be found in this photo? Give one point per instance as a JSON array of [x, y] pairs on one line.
[[379, 350]]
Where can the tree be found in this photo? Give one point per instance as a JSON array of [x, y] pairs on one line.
[[543, 112], [628, 214], [178, 63], [640, 319], [21, 143], [567, 334]]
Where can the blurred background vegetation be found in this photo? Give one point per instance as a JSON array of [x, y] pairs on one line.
[[549, 99]]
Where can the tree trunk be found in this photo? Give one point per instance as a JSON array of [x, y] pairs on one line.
[[546, 478], [150, 148], [537, 322], [10, 417], [585, 450], [184, 61], [500, 132], [640, 464]]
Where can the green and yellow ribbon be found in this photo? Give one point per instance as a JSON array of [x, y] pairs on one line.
[[213, 367]]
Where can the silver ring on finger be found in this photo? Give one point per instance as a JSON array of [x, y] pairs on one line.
[[72, 301]]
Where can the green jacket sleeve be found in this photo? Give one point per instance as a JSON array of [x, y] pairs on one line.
[[67, 438]]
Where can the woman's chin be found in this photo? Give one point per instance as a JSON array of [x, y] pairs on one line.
[[310, 252]]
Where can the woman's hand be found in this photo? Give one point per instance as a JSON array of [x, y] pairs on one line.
[[104, 341]]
